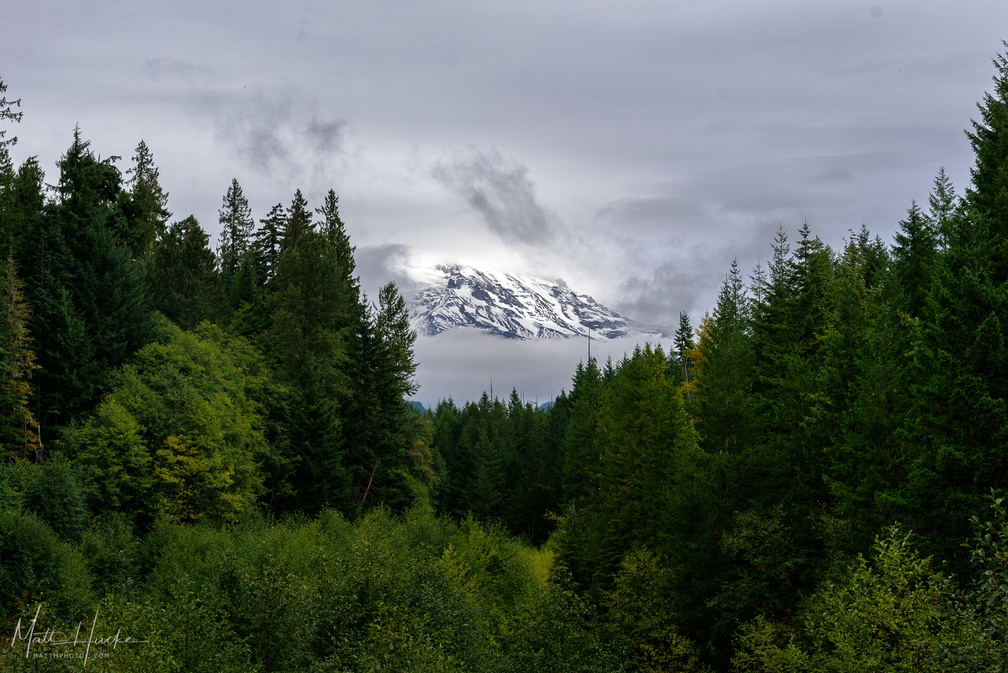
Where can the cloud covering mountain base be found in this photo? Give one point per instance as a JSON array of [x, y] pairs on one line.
[[463, 362]]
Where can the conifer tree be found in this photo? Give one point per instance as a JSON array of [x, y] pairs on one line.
[[335, 232], [89, 299], [268, 243], [770, 331], [944, 205], [987, 197], [88, 186], [581, 467], [964, 402], [308, 342], [22, 434], [332, 226], [237, 228], [184, 273], [724, 405], [683, 345], [6, 167], [298, 221], [22, 198], [381, 427], [142, 206], [914, 256], [398, 338], [7, 113]]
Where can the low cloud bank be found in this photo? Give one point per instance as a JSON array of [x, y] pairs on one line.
[[462, 363]]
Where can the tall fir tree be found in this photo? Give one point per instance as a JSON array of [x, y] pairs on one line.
[[183, 271], [267, 243], [380, 426], [683, 346], [914, 256], [8, 112], [307, 341], [331, 226], [964, 400], [298, 221], [22, 432], [237, 229], [90, 303], [724, 404], [143, 213], [944, 205]]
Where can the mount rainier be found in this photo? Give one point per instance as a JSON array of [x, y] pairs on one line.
[[514, 306]]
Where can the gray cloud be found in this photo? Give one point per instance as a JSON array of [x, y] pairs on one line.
[[658, 297], [268, 129], [167, 69], [502, 193], [650, 213], [462, 364], [253, 123], [325, 136], [379, 264]]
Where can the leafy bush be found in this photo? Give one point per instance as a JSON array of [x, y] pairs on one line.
[[55, 496], [35, 567]]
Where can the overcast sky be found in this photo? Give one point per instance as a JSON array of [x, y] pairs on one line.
[[632, 148]]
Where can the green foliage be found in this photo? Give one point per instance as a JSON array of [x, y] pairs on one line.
[[502, 462], [644, 442], [415, 593], [36, 567], [639, 609], [112, 554], [237, 225], [183, 275], [55, 496], [90, 308], [723, 382], [890, 613], [7, 113], [181, 432], [987, 602], [142, 213], [18, 363]]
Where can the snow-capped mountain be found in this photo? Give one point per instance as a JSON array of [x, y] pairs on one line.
[[514, 306]]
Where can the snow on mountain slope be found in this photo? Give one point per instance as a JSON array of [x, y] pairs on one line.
[[514, 306]]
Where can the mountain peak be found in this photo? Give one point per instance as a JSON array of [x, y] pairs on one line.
[[514, 306]]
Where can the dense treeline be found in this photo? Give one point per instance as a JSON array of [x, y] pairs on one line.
[[214, 447], [197, 384], [150, 380]]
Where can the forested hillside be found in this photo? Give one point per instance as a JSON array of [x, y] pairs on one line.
[[210, 450]]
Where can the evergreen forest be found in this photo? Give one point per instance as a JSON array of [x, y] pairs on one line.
[[211, 463]]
